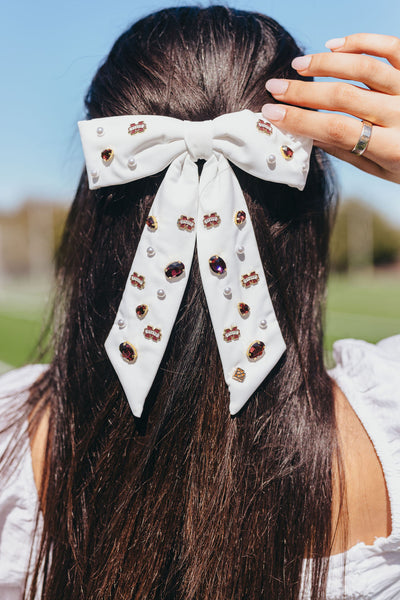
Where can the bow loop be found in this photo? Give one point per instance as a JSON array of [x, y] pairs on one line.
[[199, 139]]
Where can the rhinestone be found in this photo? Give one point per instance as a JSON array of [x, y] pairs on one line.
[[121, 323], [240, 217], [100, 131], [161, 294], [128, 352], [231, 334], [240, 250], [263, 324], [151, 223], [174, 270], [141, 311], [132, 162], [150, 251], [256, 350], [217, 265], [287, 152], [239, 375], [227, 292], [244, 309], [107, 155], [264, 126]]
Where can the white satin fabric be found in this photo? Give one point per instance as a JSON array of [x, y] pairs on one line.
[[146, 144]]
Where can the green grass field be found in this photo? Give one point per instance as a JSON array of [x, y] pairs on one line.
[[364, 307]]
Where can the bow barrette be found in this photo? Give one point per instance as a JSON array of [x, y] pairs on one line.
[[210, 210]]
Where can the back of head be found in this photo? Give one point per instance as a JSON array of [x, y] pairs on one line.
[[189, 502]]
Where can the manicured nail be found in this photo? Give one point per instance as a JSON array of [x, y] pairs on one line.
[[335, 43], [301, 63], [277, 87], [273, 112]]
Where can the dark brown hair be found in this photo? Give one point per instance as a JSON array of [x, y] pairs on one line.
[[188, 503]]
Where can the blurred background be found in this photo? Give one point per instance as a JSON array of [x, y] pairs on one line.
[[53, 50]]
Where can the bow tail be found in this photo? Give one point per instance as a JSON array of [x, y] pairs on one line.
[[247, 333], [156, 283]]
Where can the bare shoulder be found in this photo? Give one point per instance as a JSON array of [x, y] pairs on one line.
[[39, 430], [367, 501]]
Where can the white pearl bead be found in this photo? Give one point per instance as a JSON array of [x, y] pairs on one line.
[[150, 251], [161, 294], [227, 292], [94, 174], [263, 324], [132, 162], [240, 249], [100, 131], [121, 323], [271, 159]]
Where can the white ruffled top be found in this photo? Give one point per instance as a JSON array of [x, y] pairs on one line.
[[369, 376]]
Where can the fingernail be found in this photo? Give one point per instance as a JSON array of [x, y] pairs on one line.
[[335, 43], [301, 63], [273, 112], [277, 87]]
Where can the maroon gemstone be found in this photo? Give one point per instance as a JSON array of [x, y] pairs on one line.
[[287, 152], [151, 223], [240, 217], [107, 154], [256, 350], [244, 309], [128, 352], [174, 270], [141, 310], [217, 265]]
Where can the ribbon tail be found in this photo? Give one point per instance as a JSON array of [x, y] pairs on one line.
[[247, 332], [156, 283]]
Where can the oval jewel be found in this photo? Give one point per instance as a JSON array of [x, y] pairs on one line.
[[256, 350], [128, 352], [244, 309], [240, 217], [174, 269], [217, 265]]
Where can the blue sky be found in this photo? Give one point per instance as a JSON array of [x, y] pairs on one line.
[[51, 50]]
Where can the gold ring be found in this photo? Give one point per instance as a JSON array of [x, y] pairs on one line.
[[364, 138]]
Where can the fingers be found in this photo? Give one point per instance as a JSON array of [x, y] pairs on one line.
[[332, 129], [375, 74], [386, 46], [364, 104]]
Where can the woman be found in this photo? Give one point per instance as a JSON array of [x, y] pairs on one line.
[[187, 502]]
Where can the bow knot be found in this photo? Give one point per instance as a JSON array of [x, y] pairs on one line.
[[198, 137]]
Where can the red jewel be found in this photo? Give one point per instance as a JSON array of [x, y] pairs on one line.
[[256, 350], [211, 220], [151, 223], [240, 217], [151, 333], [287, 152], [139, 127], [128, 352], [137, 280], [244, 309], [107, 155], [231, 334], [174, 270], [142, 311], [217, 265], [264, 126], [185, 223], [250, 279]]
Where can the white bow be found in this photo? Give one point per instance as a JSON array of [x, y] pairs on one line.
[[210, 210]]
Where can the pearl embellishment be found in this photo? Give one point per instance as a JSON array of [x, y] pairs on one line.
[[160, 294], [94, 174], [121, 323], [271, 159], [150, 251], [263, 324], [240, 250], [132, 162], [100, 131], [227, 292]]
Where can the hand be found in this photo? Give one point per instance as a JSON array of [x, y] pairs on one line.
[[334, 132]]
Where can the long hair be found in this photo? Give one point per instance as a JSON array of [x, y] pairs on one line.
[[188, 503]]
